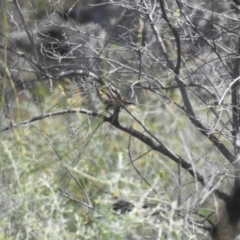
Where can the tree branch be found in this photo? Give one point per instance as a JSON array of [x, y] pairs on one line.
[[157, 146], [52, 114], [187, 103]]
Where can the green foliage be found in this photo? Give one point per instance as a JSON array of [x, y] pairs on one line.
[[39, 160]]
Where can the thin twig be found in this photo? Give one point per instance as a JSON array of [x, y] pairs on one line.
[[131, 160]]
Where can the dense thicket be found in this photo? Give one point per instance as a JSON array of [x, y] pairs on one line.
[[172, 156]]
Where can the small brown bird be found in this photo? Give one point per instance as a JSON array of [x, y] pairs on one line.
[[111, 97]]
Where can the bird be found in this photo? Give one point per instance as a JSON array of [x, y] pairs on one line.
[[111, 97]]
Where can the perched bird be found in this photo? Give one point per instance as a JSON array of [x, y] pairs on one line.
[[111, 97]]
